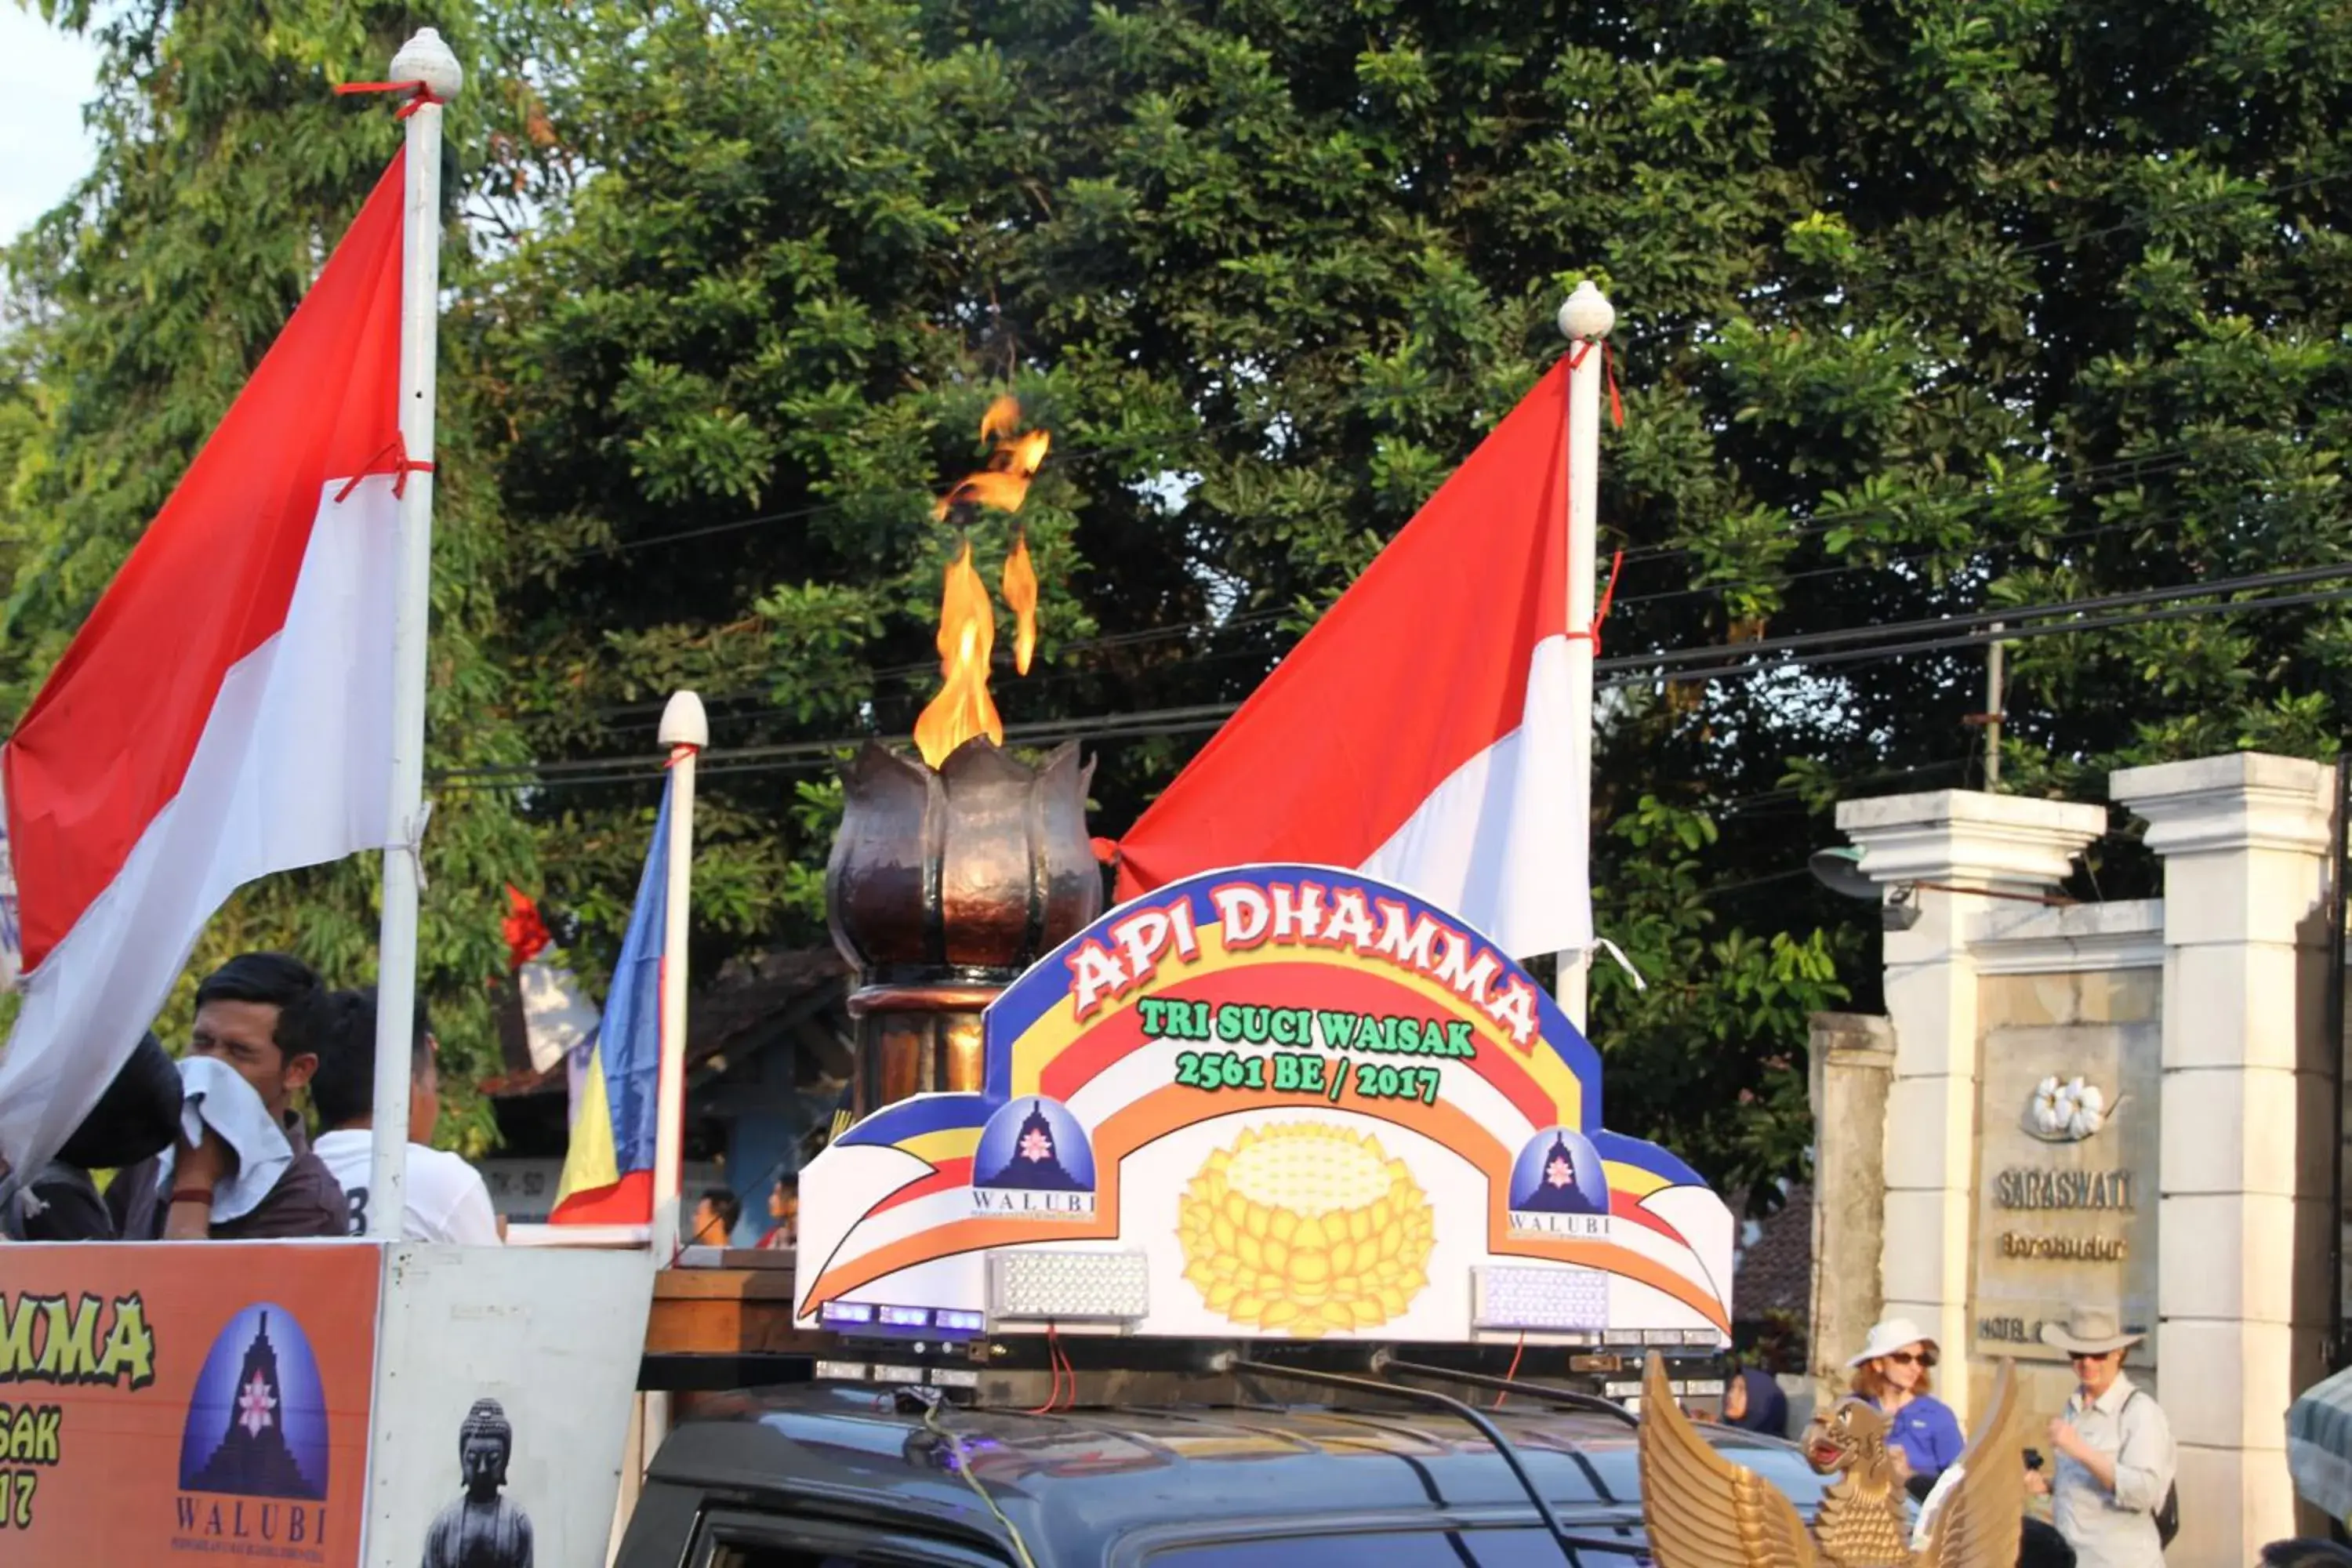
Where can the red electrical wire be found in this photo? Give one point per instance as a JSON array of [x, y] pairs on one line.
[[1521, 1351], [1054, 1362]]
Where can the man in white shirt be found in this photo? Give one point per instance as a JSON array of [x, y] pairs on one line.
[[2115, 1451], [445, 1198]]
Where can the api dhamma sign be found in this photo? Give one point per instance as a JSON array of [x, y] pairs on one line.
[[1278, 1101]]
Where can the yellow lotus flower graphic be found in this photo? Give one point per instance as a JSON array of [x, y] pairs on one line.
[[1305, 1227]]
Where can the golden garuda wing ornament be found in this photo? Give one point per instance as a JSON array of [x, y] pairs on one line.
[[1703, 1511], [1977, 1522], [1700, 1510]]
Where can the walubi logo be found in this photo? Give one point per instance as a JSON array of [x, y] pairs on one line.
[[1558, 1187], [257, 1429], [1034, 1158]]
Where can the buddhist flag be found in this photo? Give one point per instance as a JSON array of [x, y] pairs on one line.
[[608, 1172], [1420, 732], [226, 710]]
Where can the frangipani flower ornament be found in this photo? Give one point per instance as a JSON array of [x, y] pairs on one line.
[[2068, 1110]]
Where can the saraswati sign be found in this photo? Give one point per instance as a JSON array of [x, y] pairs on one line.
[[1280, 1100]]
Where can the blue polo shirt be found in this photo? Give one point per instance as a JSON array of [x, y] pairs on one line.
[[1927, 1433]]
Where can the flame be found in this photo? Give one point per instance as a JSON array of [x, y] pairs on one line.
[[1020, 589], [967, 638], [1003, 417], [966, 620], [1013, 462]]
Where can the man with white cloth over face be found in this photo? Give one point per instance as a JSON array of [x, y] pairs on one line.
[[2115, 1459], [242, 1169]]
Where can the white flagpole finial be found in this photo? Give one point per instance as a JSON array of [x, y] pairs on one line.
[[426, 58], [1587, 315], [683, 723]]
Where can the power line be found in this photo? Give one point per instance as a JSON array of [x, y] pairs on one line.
[[1795, 640], [926, 668], [648, 712], [2156, 460], [1065, 458], [2149, 219], [1641, 669], [1978, 639], [1101, 726], [1204, 435], [1847, 569]]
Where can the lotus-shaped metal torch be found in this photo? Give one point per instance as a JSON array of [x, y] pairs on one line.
[[944, 885]]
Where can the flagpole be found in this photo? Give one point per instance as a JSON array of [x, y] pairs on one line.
[[1584, 320], [424, 59], [684, 729]]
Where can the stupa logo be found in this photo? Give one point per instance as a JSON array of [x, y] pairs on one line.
[[257, 1429], [1034, 1158], [1557, 1185]]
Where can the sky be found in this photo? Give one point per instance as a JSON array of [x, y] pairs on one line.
[[45, 77]]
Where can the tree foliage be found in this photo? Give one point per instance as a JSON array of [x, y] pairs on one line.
[[1922, 308]]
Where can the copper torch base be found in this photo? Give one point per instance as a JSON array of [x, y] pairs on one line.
[[916, 1039], [945, 884]]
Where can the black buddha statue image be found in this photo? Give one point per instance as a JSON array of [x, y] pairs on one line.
[[1036, 1163], [1556, 1188], [481, 1528]]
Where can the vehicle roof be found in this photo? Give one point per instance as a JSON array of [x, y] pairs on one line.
[[1079, 1484]]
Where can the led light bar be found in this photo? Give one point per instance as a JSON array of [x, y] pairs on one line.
[[873, 1321], [1068, 1286], [884, 1371], [1503, 1296]]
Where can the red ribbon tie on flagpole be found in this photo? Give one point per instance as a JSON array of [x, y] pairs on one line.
[[419, 94], [393, 460], [1601, 612]]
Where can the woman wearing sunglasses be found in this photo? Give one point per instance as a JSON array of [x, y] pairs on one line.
[[1891, 1376]]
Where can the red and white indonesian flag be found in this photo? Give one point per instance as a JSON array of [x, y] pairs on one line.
[[226, 711], [1420, 732]]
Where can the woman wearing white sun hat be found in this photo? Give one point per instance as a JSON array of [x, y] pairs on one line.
[[1891, 1375]]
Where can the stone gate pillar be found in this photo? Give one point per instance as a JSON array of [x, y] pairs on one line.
[[1853, 1062], [2242, 1295], [1964, 840]]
